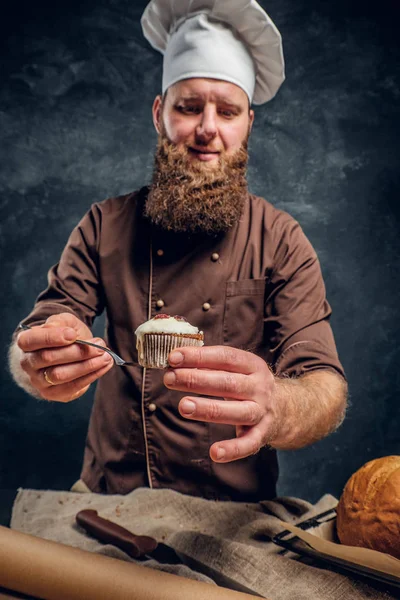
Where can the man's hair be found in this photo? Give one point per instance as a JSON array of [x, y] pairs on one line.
[[192, 198]]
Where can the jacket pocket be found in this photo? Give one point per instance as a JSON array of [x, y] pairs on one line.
[[244, 313]]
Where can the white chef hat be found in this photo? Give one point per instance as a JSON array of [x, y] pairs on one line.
[[231, 40]]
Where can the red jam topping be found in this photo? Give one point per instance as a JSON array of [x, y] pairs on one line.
[[163, 316]]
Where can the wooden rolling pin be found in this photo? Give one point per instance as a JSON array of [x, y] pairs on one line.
[[52, 571]]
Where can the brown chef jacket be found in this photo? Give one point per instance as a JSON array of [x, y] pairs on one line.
[[258, 287]]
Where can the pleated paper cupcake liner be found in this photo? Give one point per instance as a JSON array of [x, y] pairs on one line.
[[156, 348]]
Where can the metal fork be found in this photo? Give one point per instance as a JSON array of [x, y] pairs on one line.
[[120, 362]]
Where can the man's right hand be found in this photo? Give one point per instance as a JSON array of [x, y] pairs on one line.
[[57, 368]]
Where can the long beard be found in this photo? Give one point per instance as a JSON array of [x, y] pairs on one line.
[[193, 197]]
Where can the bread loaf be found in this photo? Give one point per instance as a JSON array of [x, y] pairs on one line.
[[368, 513]]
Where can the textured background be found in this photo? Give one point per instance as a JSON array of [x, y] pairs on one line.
[[77, 82]]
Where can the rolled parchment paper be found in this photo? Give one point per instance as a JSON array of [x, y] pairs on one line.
[[52, 571]]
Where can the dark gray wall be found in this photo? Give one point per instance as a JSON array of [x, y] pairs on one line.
[[77, 83]]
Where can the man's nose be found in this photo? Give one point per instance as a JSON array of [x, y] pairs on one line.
[[206, 130]]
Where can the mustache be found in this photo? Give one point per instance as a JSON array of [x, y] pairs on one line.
[[196, 174]]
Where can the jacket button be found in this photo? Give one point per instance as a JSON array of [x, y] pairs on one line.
[[214, 256], [160, 303], [160, 252], [206, 306], [152, 407]]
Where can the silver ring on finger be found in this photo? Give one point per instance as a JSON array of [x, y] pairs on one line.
[[47, 378]]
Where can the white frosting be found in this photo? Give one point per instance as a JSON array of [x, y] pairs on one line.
[[170, 325]]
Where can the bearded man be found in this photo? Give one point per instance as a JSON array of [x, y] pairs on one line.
[[195, 243]]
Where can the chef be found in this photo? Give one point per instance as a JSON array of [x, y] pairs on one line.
[[194, 243]]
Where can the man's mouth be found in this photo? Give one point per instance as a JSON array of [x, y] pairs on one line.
[[204, 154]]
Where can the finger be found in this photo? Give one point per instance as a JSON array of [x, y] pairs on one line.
[[69, 320], [74, 389], [235, 449], [65, 319], [215, 357], [211, 383], [66, 373], [229, 412], [41, 337], [41, 359]]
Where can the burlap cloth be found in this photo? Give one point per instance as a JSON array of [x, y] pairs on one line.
[[233, 538]]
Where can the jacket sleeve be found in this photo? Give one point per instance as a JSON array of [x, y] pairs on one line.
[[297, 313]]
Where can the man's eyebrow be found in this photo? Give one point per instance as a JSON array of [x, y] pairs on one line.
[[219, 100], [190, 98], [228, 102]]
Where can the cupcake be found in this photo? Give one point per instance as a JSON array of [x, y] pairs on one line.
[[156, 338]]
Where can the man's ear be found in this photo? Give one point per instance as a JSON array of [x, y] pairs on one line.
[[157, 105], [251, 119]]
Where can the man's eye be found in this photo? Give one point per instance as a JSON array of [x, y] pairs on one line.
[[227, 113], [191, 110]]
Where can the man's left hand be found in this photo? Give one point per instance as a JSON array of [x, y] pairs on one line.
[[244, 386]]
